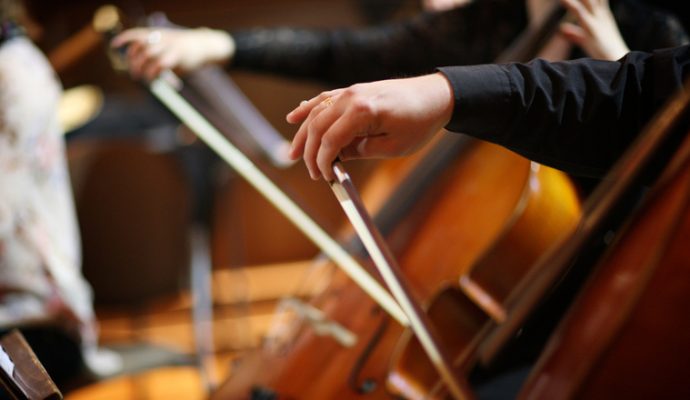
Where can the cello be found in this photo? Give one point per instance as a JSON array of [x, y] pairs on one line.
[[626, 334], [504, 195], [527, 182], [301, 362], [594, 353]]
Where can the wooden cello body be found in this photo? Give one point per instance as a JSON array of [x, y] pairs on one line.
[[626, 336], [467, 302], [489, 193], [462, 203]]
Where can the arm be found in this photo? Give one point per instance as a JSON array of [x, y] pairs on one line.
[[411, 47], [151, 50], [343, 56], [578, 116]]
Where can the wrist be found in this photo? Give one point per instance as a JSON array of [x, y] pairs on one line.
[[221, 45], [443, 91]]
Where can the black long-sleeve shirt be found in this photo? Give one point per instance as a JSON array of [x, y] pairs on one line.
[[578, 116], [473, 34]]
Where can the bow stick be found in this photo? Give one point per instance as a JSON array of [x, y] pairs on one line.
[[166, 88], [420, 324]]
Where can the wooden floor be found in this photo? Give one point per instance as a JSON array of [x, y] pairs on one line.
[[244, 301]]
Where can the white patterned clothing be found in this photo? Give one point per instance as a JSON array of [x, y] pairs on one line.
[[40, 264]]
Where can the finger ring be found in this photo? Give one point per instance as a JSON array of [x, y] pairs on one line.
[[153, 38], [328, 101]]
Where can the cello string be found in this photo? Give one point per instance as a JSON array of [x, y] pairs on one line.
[[165, 88], [362, 223]]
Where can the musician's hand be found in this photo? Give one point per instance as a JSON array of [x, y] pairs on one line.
[[443, 5], [151, 50], [596, 31], [378, 119]]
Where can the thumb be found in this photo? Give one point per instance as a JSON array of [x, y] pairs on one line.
[[379, 146]]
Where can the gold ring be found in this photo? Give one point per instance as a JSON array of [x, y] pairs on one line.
[[328, 101]]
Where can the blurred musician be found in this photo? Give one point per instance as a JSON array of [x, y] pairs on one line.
[[455, 36], [42, 290]]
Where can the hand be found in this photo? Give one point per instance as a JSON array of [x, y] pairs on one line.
[[443, 5], [151, 50], [370, 120], [596, 31]]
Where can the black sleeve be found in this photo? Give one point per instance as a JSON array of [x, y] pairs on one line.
[[578, 116], [416, 46]]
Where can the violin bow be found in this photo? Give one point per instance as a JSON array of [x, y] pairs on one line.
[[352, 205], [166, 89]]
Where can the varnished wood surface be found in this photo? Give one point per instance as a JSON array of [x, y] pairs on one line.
[[29, 379], [523, 221], [627, 334]]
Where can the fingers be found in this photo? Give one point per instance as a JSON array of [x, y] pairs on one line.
[[373, 146], [598, 35], [329, 123], [596, 5], [311, 133], [144, 61], [144, 51], [354, 150], [151, 69], [136, 58], [317, 125], [352, 129], [154, 61], [300, 114], [574, 6], [589, 5], [573, 33], [579, 10], [349, 120], [298, 143], [128, 36], [337, 130], [299, 140]]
